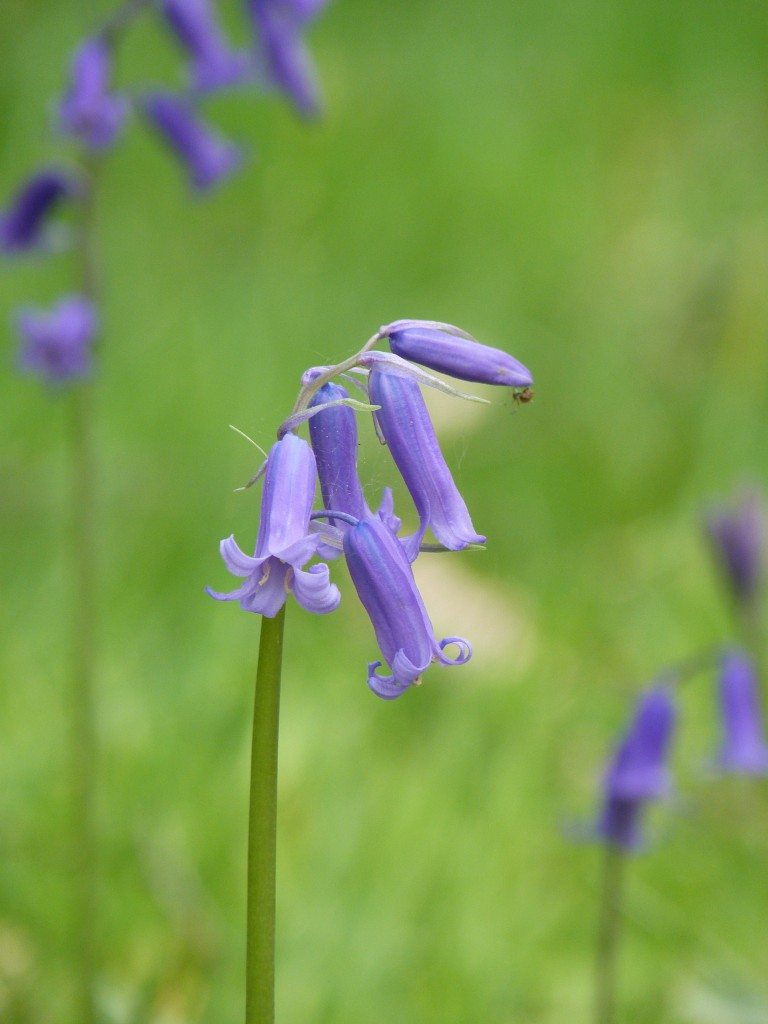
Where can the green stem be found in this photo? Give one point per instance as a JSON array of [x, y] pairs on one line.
[[83, 657], [262, 829], [83, 732], [608, 936]]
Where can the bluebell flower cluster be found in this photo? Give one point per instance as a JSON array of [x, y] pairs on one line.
[[93, 113], [638, 772], [379, 559]]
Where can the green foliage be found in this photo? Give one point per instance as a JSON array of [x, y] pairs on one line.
[[582, 183]]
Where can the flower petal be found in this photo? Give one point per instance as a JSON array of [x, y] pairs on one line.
[[384, 686], [232, 595], [268, 596], [465, 651], [314, 591], [236, 561]]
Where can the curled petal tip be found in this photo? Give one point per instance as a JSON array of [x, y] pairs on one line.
[[465, 650], [385, 687]]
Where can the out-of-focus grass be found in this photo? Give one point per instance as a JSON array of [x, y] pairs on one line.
[[582, 183]]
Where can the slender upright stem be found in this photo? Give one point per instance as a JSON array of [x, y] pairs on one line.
[[262, 830], [609, 934], [81, 698], [82, 625]]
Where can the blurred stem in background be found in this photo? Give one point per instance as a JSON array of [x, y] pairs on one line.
[[82, 666], [262, 830], [609, 934]]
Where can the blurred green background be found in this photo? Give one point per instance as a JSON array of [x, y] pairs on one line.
[[582, 183]]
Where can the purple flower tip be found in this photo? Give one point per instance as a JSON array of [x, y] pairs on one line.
[[23, 222], [279, 25], [383, 579], [89, 112], [214, 64], [736, 535], [743, 749], [450, 350], [638, 771], [56, 345], [208, 157], [284, 544]]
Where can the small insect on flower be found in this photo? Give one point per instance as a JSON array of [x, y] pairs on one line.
[[523, 396]]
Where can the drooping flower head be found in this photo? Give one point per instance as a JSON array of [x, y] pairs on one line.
[[56, 345], [743, 749], [284, 543], [207, 156], [737, 537], [23, 222], [384, 582], [407, 429], [638, 771], [214, 64], [89, 111], [450, 350], [281, 50]]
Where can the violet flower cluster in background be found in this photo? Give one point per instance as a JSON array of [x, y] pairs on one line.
[[93, 114], [378, 558], [638, 773]]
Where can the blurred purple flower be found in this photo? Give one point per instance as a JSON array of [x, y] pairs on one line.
[[407, 429], [450, 350], [89, 112], [56, 345], [208, 157], [638, 771], [214, 64], [384, 583], [736, 535], [284, 544], [279, 25], [744, 749], [23, 222]]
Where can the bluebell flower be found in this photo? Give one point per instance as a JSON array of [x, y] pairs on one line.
[[208, 157], [743, 749], [284, 543], [638, 771], [214, 64], [383, 579], [24, 221], [89, 111], [737, 537], [450, 350], [56, 345], [279, 26], [407, 429], [333, 433]]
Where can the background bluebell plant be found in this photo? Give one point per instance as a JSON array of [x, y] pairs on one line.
[[24, 222], [90, 112], [638, 772], [743, 749], [58, 346], [737, 535], [213, 63]]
